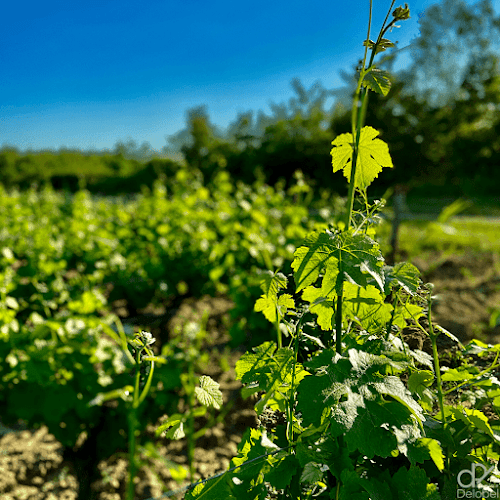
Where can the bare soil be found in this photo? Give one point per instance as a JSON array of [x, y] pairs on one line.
[[467, 287], [31, 463]]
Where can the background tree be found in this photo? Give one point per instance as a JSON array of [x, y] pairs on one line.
[[441, 115], [294, 137], [202, 145]]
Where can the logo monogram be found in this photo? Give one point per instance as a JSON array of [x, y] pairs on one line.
[[474, 480]]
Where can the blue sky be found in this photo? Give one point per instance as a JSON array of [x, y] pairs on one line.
[[87, 74]]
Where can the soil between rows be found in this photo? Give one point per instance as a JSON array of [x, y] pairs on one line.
[[31, 463]]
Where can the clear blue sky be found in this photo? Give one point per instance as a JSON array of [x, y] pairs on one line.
[[86, 74]]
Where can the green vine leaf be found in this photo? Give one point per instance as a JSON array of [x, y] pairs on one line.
[[419, 383], [250, 449], [320, 305], [403, 274], [381, 46], [313, 473], [393, 387], [454, 375], [208, 393], [342, 256], [423, 449], [373, 155], [273, 307], [366, 306], [378, 81], [213, 490], [353, 392], [281, 473], [475, 419], [413, 484], [175, 426], [405, 312], [250, 362], [269, 371], [388, 425], [272, 283]]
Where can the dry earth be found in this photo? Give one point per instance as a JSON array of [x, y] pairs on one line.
[[31, 464]]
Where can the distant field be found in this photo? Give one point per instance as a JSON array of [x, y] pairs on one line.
[[417, 236]]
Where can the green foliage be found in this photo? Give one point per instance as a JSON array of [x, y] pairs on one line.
[[67, 249], [72, 170], [373, 154], [272, 306], [52, 365], [66, 259], [353, 427], [343, 255], [378, 81]]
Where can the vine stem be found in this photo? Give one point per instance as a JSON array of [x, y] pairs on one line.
[[358, 114], [437, 368], [439, 382], [338, 321], [132, 420], [278, 329], [357, 119], [291, 402], [191, 403], [360, 105], [132, 425]]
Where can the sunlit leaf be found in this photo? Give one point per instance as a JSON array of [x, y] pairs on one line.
[[341, 256], [405, 275], [373, 155], [378, 81], [209, 393]]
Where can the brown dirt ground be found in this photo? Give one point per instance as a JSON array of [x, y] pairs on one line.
[[31, 464]]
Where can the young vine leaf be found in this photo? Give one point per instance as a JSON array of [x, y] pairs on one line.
[[400, 13], [382, 45], [269, 371], [403, 274], [378, 81], [373, 155], [423, 449], [419, 383], [244, 478], [273, 307], [366, 307], [208, 393], [173, 428]]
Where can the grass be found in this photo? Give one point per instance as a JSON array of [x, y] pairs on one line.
[[418, 237], [481, 206]]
